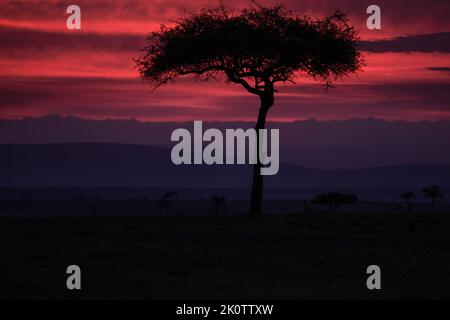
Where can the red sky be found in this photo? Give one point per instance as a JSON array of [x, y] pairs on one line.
[[47, 69]]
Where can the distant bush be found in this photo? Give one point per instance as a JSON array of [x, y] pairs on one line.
[[306, 207], [163, 203], [218, 203], [407, 196], [334, 200]]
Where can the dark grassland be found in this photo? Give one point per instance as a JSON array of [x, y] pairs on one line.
[[312, 256]]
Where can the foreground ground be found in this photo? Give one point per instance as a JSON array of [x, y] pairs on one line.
[[313, 256]]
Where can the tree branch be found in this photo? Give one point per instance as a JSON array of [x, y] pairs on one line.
[[242, 82]]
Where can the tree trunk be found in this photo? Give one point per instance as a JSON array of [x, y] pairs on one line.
[[257, 184]]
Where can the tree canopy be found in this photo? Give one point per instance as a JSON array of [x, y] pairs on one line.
[[256, 48], [433, 192]]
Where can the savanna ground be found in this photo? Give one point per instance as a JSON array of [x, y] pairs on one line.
[[303, 256]]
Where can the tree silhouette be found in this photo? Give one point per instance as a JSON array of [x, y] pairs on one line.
[[334, 200], [433, 192], [254, 48], [407, 196]]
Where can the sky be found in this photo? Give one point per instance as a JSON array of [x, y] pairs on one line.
[[89, 73]]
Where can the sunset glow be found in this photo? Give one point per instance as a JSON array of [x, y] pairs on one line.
[[90, 73]]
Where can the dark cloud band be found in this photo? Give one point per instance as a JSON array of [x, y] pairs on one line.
[[435, 42], [32, 40]]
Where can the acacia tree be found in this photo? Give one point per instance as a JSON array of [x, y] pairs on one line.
[[334, 200], [433, 192], [255, 48]]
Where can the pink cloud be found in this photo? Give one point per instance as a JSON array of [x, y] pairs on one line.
[[91, 73]]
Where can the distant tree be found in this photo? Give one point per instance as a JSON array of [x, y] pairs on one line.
[[255, 48], [163, 203], [306, 207], [218, 203], [334, 200], [407, 196], [433, 192]]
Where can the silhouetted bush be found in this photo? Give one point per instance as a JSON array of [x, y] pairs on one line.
[[334, 200], [218, 203], [306, 207], [164, 202], [407, 196]]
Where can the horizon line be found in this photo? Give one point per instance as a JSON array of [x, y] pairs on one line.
[[283, 121]]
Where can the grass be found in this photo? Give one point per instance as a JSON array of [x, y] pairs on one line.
[[306, 256]]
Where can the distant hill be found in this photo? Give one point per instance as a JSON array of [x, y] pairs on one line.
[[348, 144], [108, 164]]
